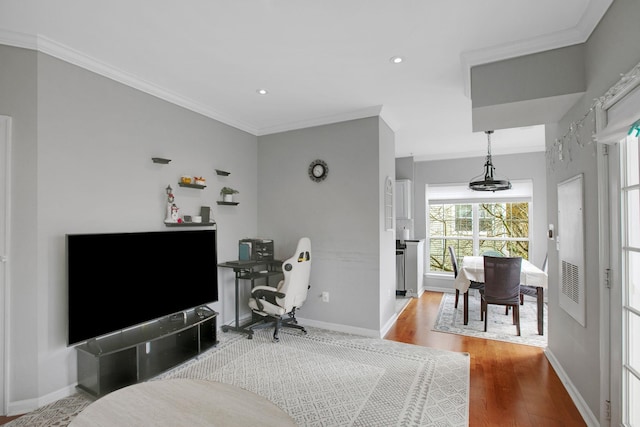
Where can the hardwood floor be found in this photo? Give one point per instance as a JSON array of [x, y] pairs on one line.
[[510, 384], [4, 420]]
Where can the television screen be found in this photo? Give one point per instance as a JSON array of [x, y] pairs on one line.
[[120, 280]]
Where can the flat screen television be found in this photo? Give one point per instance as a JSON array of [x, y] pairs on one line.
[[119, 280]]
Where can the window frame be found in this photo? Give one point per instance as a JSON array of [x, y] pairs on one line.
[[457, 194]]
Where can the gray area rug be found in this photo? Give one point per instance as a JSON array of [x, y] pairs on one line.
[[323, 379], [500, 326]]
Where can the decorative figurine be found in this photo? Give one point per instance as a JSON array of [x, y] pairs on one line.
[[172, 210], [175, 217]]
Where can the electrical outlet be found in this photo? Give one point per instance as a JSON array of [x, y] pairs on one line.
[[325, 297]]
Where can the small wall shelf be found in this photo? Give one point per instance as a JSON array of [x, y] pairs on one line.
[[190, 224], [182, 184], [160, 160], [228, 203], [221, 172]]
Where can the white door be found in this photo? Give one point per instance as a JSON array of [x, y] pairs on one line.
[[625, 292], [5, 150], [629, 301]]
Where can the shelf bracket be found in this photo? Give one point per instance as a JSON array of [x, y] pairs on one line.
[[160, 160]]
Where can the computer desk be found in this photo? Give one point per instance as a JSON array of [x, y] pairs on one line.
[[247, 270]]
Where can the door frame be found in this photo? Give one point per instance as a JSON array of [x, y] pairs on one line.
[[609, 270], [614, 113], [615, 305], [5, 221]]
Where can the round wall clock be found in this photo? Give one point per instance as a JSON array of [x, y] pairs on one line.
[[318, 170]]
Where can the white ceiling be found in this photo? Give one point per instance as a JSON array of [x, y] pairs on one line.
[[321, 60]]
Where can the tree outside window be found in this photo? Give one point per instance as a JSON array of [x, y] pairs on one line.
[[475, 228]]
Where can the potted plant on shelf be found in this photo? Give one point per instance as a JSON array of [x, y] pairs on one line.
[[227, 194]]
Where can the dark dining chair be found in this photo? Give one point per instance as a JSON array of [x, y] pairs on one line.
[[454, 263], [501, 286]]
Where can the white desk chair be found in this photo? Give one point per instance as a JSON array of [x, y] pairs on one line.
[[278, 305]]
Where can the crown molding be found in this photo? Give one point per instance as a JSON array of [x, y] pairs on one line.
[[592, 16], [556, 40], [578, 34], [68, 54], [65, 53], [16, 39], [326, 120]]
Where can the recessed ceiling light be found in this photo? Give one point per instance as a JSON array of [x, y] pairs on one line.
[[262, 91], [396, 59]]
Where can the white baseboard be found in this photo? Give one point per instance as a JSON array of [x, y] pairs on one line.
[[334, 326], [344, 328], [438, 289], [589, 418], [388, 325], [28, 405]]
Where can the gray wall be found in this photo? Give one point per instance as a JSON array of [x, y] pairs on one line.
[[387, 247], [529, 77], [81, 162], [527, 90], [54, 133], [341, 215], [18, 99], [514, 166], [611, 50]]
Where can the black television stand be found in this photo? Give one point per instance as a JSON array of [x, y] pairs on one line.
[[108, 363]]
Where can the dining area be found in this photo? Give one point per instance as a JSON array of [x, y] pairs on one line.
[[502, 281]]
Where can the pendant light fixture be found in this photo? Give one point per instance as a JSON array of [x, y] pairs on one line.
[[488, 182]]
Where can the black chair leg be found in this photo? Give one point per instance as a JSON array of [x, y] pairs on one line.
[[455, 305], [293, 323], [485, 314], [276, 330], [540, 314]]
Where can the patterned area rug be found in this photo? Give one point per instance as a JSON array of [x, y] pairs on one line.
[[500, 327], [324, 379]]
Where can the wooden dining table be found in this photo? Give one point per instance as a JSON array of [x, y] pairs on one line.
[[472, 269]]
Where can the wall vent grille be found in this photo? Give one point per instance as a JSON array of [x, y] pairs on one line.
[[570, 243], [571, 281]]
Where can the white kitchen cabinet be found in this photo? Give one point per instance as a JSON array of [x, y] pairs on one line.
[[404, 209]]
